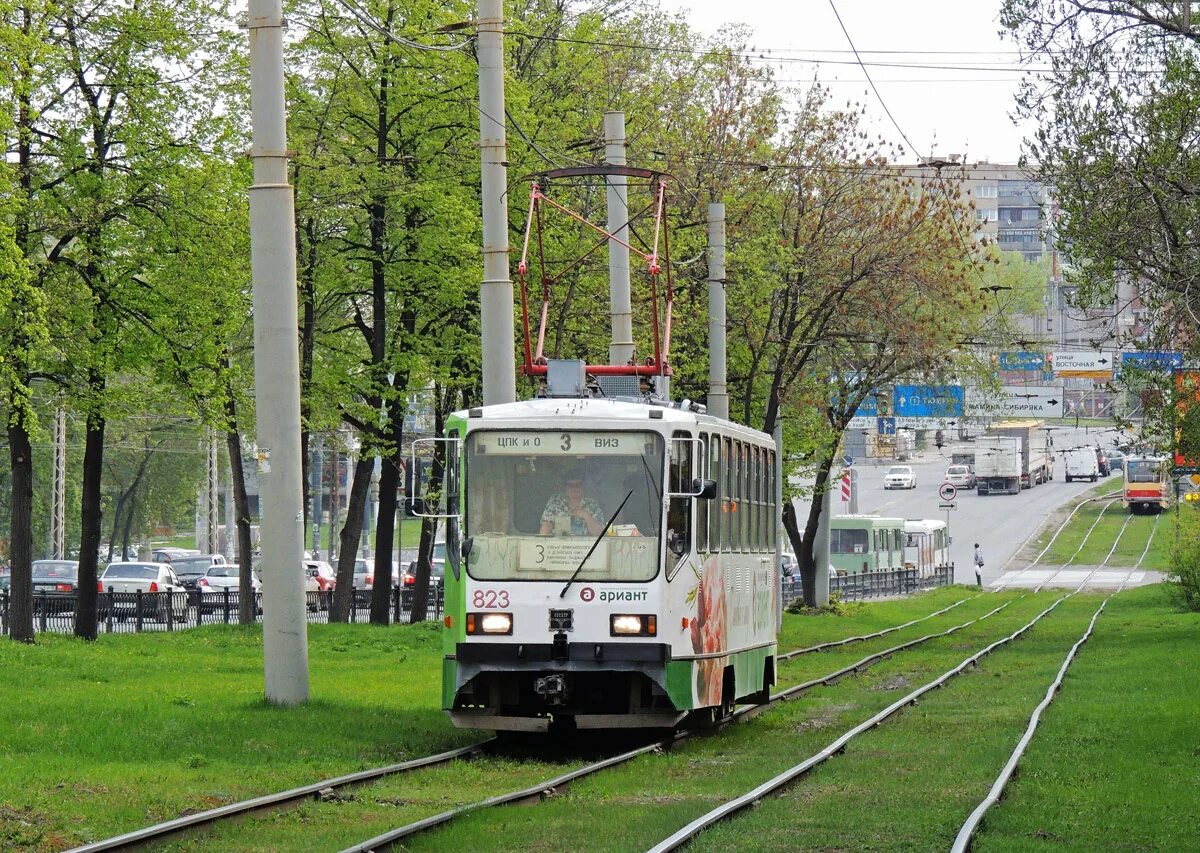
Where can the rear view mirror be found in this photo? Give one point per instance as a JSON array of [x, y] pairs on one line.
[[706, 489]]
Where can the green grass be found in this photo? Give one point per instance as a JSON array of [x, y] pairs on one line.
[[106, 737]]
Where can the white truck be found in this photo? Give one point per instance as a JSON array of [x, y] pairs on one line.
[[1081, 464], [998, 465], [1037, 459]]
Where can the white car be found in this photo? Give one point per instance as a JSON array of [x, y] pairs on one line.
[[160, 591], [900, 477], [961, 476]]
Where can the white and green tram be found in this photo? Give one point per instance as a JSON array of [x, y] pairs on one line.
[[609, 564]]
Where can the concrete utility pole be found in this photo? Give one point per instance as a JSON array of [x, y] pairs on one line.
[[620, 351], [276, 366], [718, 394], [58, 497], [496, 293], [335, 500]]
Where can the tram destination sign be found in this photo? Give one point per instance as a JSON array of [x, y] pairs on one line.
[[559, 443]]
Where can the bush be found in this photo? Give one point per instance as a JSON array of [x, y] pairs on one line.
[[1185, 557]]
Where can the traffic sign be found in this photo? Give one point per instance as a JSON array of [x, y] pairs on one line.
[[1022, 361], [847, 461], [1152, 360], [885, 426], [947, 492], [1039, 401], [925, 423], [1082, 365], [928, 401], [950, 505]]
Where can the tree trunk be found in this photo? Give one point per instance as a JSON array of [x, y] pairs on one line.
[[804, 551], [241, 516], [128, 530], [89, 537], [20, 544], [343, 594], [420, 598], [385, 521]]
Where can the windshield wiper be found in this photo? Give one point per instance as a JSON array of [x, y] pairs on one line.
[[599, 536]]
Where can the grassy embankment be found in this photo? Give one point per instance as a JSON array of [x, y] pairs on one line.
[[105, 737]]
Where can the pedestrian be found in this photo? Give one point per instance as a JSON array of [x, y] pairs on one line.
[[978, 565]]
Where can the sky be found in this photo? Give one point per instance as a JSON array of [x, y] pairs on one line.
[[964, 109]]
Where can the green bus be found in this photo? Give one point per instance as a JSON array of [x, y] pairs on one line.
[[865, 543]]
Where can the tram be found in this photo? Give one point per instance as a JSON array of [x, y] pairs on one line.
[[611, 556], [609, 564], [1147, 483], [865, 543], [926, 546]]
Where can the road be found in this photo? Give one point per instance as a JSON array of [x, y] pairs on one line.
[[1000, 523]]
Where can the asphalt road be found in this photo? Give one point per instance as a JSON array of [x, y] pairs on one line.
[[1000, 523]]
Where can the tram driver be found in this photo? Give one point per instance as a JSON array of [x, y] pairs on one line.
[[569, 513]]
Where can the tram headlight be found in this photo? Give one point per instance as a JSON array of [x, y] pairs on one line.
[[489, 623], [631, 625]]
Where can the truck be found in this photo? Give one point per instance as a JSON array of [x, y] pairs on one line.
[[1037, 458], [1081, 464], [998, 465]]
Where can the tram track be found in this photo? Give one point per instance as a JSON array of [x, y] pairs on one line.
[[967, 831], [389, 839], [1083, 542], [206, 819], [738, 804]]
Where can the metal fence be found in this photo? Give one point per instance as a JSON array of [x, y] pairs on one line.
[[874, 584], [135, 612]]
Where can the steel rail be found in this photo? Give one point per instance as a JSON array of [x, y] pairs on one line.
[[1038, 558], [832, 677], [1082, 542], [1146, 550], [387, 839], [834, 643], [963, 840], [694, 828], [292, 796]]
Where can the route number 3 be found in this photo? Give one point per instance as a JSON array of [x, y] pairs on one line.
[[486, 598]]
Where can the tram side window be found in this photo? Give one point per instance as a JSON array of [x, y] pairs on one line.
[[727, 516], [716, 508], [702, 505], [848, 541], [744, 494], [756, 487], [773, 515], [679, 513], [453, 537]]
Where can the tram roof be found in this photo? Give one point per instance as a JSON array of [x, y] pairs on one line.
[[551, 409]]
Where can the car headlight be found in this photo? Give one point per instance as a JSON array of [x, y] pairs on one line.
[[489, 623], [632, 625]]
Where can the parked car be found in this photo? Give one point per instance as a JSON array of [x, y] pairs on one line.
[[961, 475], [364, 580], [160, 588], [1079, 463], [437, 568], [1102, 462], [788, 565], [5, 578], [900, 477], [57, 583], [319, 578], [218, 579], [191, 568], [166, 555], [1116, 460]]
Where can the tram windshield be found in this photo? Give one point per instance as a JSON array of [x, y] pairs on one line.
[[538, 500], [1142, 470]]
